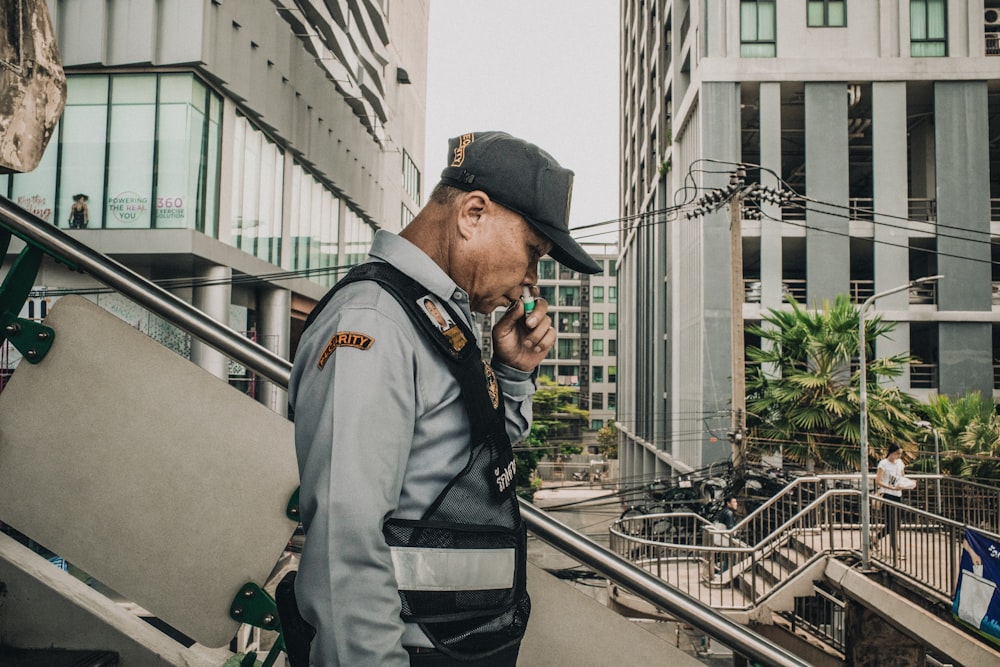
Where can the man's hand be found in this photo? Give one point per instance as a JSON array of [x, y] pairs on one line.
[[522, 342]]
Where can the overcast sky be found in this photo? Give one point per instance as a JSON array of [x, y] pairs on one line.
[[543, 70]]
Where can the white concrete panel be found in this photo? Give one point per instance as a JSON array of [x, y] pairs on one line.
[[159, 480]]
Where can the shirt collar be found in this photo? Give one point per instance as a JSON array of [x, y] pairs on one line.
[[414, 262]]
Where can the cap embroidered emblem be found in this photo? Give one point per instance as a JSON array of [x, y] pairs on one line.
[[344, 339], [460, 149]]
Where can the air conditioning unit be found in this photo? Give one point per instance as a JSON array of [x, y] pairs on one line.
[[992, 17]]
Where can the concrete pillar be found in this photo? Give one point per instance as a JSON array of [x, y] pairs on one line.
[[213, 299], [872, 642], [769, 115], [274, 327], [828, 249], [963, 191], [889, 172]]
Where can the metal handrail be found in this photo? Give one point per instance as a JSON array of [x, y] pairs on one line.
[[827, 525], [32, 229]]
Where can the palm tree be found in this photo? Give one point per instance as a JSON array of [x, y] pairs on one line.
[[968, 429], [802, 387]]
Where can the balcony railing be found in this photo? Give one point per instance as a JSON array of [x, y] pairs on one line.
[[924, 210], [862, 208], [924, 293], [861, 290], [923, 376], [993, 43]]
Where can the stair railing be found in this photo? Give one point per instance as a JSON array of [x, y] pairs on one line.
[[37, 233]]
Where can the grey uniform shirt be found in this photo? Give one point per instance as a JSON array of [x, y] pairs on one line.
[[379, 432]]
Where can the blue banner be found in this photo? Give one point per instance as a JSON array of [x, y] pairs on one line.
[[977, 601]]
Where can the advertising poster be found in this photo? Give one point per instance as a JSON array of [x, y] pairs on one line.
[[977, 603]]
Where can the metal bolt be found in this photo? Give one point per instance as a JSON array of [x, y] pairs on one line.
[[268, 619], [237, 611], [31, 354], [294, 511], [43, 335], [248, 593], [12, 329]]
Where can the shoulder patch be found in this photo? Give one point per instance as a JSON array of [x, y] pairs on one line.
[[344, 339]]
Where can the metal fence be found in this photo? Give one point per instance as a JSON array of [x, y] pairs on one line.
[[813, 518]]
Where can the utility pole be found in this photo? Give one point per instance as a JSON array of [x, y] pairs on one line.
[[737, 436]]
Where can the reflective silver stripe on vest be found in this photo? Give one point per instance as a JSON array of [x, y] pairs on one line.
[[423, 569]]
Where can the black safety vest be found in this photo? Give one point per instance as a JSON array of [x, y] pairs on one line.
[[473, 531]]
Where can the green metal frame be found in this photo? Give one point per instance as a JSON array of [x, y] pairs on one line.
[[31, 339]]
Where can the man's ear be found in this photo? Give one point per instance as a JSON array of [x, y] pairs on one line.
[[472, 206]]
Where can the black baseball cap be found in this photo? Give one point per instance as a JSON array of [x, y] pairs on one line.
[[524, 178]]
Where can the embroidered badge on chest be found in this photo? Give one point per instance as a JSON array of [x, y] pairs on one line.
[[491, 385], [344, 339]]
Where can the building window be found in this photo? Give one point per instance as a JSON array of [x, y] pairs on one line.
[[757, 29], [569, 348], [596, 424], [568, 376], [612, 295], [928, 28], [548, 293], [612, 375], [569, 323], [411, 177], [569, 296], [152, 139], [566, 273], [598, 347], [612, 348], [597, 373], [546, 269], [405, 215], [597, 400], [598, 294], [826, 13], [314, 227], [612, 400], [597, 321], [613, 321], [258, 168]]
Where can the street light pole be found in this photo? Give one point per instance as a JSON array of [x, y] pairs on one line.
[[866, 537]]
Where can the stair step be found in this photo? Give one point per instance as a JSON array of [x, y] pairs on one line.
[[19, 657]]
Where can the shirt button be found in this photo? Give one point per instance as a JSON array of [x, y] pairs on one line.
[[458, 295]]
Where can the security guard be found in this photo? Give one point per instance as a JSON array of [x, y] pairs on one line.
[[414, 550]]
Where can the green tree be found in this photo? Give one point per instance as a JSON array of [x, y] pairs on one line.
[[968, 431], [552, 405], [607, 435], [802, 387]]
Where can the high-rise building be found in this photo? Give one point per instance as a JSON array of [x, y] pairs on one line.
[[584, 314], [241, 152], [885, 116]]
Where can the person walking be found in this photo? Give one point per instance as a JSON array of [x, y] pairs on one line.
[[888, 483], [414, 547]]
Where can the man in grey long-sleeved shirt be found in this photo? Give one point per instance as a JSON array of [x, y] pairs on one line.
[[381, 425]]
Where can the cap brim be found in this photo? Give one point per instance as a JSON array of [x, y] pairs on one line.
[[567, 251]]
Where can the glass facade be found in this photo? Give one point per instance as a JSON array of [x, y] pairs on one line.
[[143, 149]]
